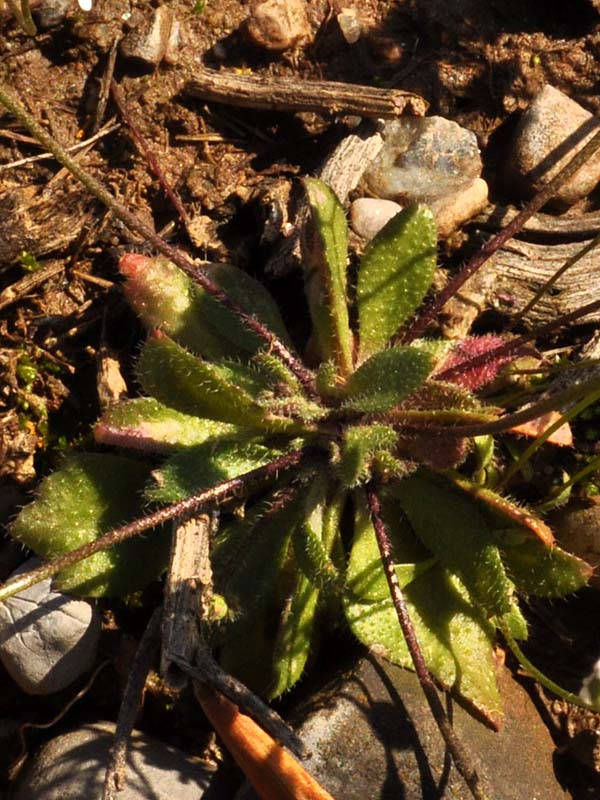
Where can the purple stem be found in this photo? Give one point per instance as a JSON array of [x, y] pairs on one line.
[[461, 758]]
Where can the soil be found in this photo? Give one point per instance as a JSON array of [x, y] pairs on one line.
[[64, 321]]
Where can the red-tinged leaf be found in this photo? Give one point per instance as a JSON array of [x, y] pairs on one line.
[[457, 362], [273, 772], [563, 437]]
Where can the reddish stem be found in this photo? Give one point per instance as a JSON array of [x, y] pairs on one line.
[[461, 758]]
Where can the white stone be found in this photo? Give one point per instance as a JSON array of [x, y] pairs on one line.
[[368, 215], [47, 639]]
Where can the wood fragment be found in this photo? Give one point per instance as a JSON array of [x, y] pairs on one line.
[[273, 772], [496, 217], [511, 279], [189, 583], [21, 288], [290, 94]]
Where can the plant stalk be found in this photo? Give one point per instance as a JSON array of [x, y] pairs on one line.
[[460, 756], [216, 494], [274, 344]]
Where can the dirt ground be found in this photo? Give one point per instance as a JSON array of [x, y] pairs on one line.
[[62, 318]]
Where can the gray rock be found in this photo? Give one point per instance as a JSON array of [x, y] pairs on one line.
[[372, 735], [429, 160], [550, 131], [72, 767], [368, 215], [277, 25], [47, 639], [149, 38], [50, 13], [577, 529]]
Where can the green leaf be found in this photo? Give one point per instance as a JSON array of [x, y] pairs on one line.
[[365, 576], [394, 276], [224, 392], [450, 525], [248, 566], [531, 557], [544, 571], [145, 424], [168, 299], [88, 496], [360, 445], [387, 378], [296, 635], [318, 535], [197, 468], [455, 638], [325, 258]]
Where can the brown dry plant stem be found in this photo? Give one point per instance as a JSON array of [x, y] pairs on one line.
[[217, 494], [114, 780], [580, 158], [462, 759], [275, 345], [147, 151]]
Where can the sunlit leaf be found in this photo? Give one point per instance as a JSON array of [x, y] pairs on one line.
[[394, 276], [325, 258], [455, 638], [225, 392], [196, 468], [452, 528], [387, 378], [145, 424], [90, 494]]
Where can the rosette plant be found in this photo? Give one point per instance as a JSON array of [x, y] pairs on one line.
[[352, 477]]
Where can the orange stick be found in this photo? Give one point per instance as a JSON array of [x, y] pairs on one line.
[[273, 772]]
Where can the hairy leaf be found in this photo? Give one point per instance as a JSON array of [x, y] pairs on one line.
[[361, 443], [452, 527], [145, 424], [395, 273], [197, 468], [225, 392], [166, 298], [387, 378], [325, 258], [88, 496], [455, 639]]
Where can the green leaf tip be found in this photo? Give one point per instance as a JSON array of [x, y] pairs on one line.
[[394, 276]]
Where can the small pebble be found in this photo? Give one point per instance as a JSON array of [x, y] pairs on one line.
[[148, 37], [368, 215], [549, 132], [47, 639], [277, 25], [452, 210], [72, 767], [50, 13], [423, 160], [429, 160], [349, 25]]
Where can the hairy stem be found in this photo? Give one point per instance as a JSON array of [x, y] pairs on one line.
[[274, 344], [216, 494], [461, 758], [504, 423], [496, 242]]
